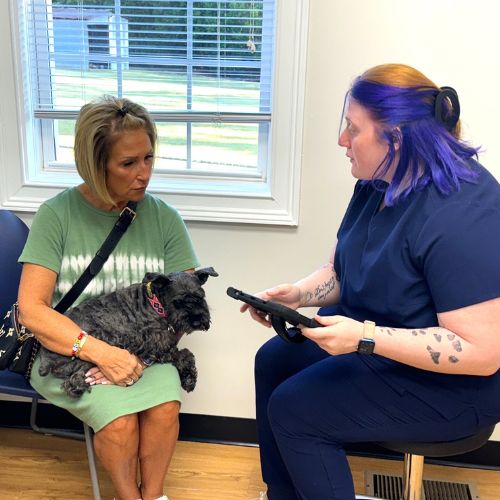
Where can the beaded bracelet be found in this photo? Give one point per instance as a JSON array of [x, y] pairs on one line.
[[78, 344]]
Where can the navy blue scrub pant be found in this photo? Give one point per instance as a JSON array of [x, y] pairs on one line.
[[309, 404]]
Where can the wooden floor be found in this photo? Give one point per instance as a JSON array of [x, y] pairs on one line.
[[37, 467]]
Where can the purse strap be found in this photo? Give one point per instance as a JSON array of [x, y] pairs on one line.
[[127, 216]]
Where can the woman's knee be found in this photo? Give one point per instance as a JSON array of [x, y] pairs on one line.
[[283, 409], [268, 351], [166, 414], [119, 431], [295, 410], [278, 360], [275, 360]]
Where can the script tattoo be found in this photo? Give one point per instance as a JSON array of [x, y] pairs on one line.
[[434, 355], [322, 291]]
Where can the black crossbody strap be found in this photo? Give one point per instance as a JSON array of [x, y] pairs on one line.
[[126, 217]]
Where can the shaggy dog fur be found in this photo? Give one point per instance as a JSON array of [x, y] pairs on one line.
[[126, 318]]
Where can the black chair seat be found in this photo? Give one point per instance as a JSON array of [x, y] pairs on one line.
[[442, 448]]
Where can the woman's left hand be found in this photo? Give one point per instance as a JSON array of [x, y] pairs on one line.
[[95, 376], [339, 335]]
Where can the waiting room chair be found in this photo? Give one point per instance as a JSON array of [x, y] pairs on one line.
[[14, 233]]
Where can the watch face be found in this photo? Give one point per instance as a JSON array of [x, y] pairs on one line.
[[366, 346]]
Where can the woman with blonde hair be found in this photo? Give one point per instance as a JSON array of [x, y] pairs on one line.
[[133, 408]]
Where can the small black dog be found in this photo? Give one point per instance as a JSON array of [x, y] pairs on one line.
[[147, 319]]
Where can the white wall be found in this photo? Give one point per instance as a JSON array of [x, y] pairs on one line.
[[455, 42]]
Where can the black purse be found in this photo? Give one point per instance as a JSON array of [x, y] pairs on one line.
[[18, 346]]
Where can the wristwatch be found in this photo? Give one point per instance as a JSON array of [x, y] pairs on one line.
[[367, 344]]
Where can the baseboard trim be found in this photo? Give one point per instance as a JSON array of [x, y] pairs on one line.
[[234, 431]]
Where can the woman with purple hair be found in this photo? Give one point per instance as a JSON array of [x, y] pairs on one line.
[[409, 348]]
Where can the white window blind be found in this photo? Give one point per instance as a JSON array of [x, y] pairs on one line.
[[224, 81], [203, 68]]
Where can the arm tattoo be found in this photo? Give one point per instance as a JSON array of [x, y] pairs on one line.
[[388, 330], [416, 332], [436, 334], [322, 291], [434, 355]]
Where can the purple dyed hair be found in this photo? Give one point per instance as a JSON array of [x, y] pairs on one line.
[[429, 150]]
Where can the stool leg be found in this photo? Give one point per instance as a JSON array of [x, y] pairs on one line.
[[413, 476]]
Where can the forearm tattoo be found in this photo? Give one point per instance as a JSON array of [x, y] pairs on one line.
[[322, 291], [434, 355], [436, 334]]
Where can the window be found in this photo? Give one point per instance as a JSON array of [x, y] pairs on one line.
[[223, 79]]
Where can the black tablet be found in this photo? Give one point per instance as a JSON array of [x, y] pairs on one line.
[[280, 315]]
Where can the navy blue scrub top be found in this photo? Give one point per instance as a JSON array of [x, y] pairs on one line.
[[401, 265]]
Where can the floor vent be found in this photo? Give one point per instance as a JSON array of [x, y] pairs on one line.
[[391, 487]]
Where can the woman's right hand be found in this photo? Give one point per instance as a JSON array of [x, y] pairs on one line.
[[119, 366], [286, 294]]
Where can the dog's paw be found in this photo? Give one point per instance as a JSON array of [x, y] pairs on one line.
[[43, 370], [75, 386], [188, 380]]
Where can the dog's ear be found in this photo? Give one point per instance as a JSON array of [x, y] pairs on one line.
[[204, 273], [157, 278]]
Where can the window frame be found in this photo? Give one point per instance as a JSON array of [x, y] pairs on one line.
[[271, 199]]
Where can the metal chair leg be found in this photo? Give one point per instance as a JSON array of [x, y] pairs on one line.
[[87, 436], [92, 463], [49, 430], [413, 476]]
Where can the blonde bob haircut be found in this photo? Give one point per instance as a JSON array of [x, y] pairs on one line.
[[98, 126]]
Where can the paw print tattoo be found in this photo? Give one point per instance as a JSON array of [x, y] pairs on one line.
[[434, 355]]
